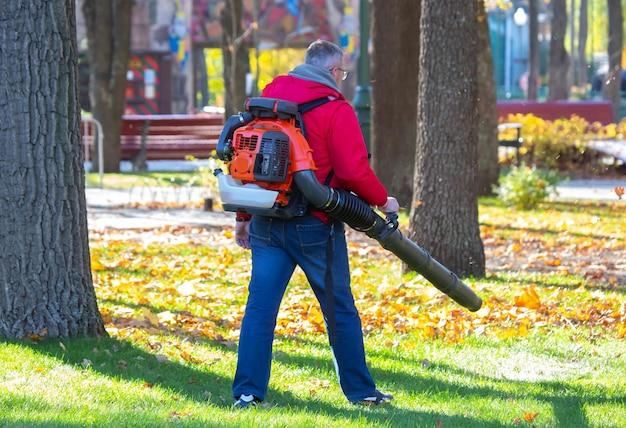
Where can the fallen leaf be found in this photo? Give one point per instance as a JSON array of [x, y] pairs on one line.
[[530, 416], [188, 357], [514, 248], [150, 317], [187, 288], [62, 346], [38, 336], [528, 299], [619, 191]]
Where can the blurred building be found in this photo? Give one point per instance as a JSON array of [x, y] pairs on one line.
[[176, 60]]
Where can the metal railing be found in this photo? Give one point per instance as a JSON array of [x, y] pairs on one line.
[[86, 123]]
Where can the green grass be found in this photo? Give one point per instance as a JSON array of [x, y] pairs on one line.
[[128, 180], [567, 381], [561, 365]]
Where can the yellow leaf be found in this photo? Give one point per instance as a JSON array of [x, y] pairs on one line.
[[188, 357], [150, 317], [515, 248], [528, 299], [96, 266], [553, 262]]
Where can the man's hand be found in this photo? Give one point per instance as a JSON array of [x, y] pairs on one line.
[[242, 234], [391, 206]]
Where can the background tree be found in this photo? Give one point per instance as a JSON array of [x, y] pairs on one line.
[[395, 39], [613, 80], [108, 25], [444, 216], [533, 49], [235, 54], [45, 271], [558, 84], [583, 29], [488, 167]]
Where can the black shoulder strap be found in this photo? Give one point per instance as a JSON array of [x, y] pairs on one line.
[[308, 106]]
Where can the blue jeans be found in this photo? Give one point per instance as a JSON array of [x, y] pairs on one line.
[[277, 247]]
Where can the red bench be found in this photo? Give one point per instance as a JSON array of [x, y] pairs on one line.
[[592, 111], [170, 136]]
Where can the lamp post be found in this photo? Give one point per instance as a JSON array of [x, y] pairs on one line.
[[362, 98]]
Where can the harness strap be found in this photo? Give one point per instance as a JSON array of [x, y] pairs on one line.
[[328, 289], [328, 275], [308, 106]]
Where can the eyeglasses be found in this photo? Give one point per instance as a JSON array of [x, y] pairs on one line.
[[344, 74]]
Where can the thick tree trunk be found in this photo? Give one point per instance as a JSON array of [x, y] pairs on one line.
[[616, 42], [235, 55], [583, 29], [559, 59], [108, 25], [488, 167], [444, 215], [533, 49], [46, 287], [395, 36]]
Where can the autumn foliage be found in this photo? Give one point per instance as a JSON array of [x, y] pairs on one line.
[[548, 269]]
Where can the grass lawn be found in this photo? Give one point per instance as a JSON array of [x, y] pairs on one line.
[[127, 180], [547, 349]]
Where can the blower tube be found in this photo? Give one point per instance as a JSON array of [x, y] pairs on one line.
[[353, 211]]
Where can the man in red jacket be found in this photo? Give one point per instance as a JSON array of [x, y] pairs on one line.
[[340, 155]]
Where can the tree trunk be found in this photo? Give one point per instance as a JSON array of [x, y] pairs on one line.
[[612, 83], [235, 55], [444, 217], [46, 287], [395, 34], [488, 167], [583, 28], [108, 25], [533, 49], [559, 59]]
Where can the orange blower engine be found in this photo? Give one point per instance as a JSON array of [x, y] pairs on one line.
[[263, 147]]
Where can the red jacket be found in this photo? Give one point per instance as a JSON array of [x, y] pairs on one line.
[[334, 134]]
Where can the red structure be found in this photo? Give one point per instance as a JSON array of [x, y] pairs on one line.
[[591, 111], [149, 83]]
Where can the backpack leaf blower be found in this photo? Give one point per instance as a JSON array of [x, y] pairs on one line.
[[271, 174]]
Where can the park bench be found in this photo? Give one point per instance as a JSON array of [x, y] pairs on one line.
[[590, 110], [169, 137], [160, 137], [510, 136]]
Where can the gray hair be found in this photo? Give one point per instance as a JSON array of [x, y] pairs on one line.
[[323, 54]]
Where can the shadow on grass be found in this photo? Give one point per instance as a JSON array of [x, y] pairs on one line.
[[598, 208], [499, 278], [549, 232], [565, 399], [194, 383]]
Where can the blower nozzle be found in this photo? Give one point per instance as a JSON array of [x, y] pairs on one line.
[[349, 208]]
